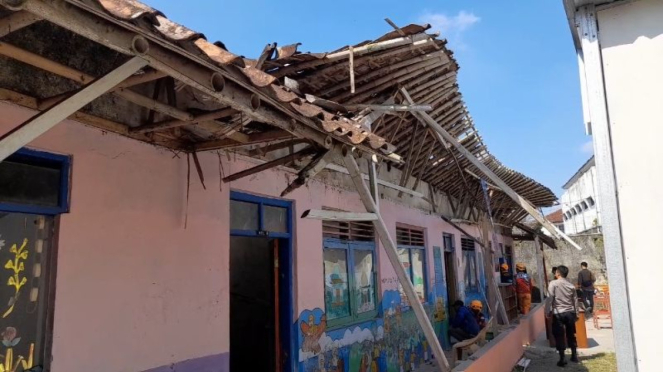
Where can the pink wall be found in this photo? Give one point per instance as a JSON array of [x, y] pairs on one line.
[[501, 354], [135, 289]]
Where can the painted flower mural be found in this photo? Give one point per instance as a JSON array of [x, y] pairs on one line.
[[11, 363]]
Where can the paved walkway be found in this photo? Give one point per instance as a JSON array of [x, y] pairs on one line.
[[544, 358]]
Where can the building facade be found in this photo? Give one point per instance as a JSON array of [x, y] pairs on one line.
[[580, 206], [619, 45], [140, 264], [153, 190]]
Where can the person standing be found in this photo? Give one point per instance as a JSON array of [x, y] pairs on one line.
[[523, 288], [586, 280], [562, 307]]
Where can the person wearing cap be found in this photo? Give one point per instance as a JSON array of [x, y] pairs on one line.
[[464, 324], [523, 288], [476, 307]]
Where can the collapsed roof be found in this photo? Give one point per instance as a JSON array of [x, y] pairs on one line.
[[195, 95]]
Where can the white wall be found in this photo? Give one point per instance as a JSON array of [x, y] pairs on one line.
[[578, 192], [631, 38]]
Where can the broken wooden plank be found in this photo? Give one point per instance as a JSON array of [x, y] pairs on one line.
[[309, 171], [396, 108], [270, 164], [272, 135], [321, 214], [213, 115]]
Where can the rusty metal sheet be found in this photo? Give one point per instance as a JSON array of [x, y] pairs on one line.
[[128, 9], [217, 54], [174, 31], [258, 77], [287, 51]]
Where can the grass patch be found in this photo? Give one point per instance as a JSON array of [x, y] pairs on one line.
[[600, 363]]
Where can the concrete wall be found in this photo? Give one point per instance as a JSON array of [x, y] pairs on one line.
[[572, 199], [631, 38], [592, 252], [138, 291], [501, 354]]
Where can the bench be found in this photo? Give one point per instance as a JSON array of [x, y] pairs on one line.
[[470, 346]]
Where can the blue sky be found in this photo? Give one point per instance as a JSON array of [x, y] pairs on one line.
[[518, 71]]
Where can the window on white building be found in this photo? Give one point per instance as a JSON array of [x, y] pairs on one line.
[[590, 201]]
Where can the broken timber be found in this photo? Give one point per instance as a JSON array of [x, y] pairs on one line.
[[270, 164], [390, 248], [42, 122], [318, 214], [430, 122]]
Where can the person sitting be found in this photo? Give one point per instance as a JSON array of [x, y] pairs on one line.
[[463, 325], [476, 306]]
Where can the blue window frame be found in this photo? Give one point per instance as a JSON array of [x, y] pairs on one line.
[[411, 246], [35, 182], [350, 281], [245, 207], [470, 264]]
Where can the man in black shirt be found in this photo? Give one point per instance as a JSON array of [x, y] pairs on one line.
[[586, 281]]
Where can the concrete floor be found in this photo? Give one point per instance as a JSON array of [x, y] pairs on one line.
[[544, 357]]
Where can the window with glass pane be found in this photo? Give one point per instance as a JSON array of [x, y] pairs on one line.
[[404, 255], [275, 219], [350, 272], [364, 286], [411, 252], [244, 215], [469, 261], [337, 295]]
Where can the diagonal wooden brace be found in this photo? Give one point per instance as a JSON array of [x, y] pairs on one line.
[[42, 122], [392, 254]]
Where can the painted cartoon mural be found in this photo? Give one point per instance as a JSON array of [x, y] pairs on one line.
[[393, 342]]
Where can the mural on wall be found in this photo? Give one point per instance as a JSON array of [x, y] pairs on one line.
[[393, 342], [440, 321], [23, 260], [16, 265]]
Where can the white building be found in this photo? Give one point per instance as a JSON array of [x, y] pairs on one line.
[[580, 207], [619, 45]]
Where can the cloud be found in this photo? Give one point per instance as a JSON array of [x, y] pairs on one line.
[[451, 27], [587, 147]]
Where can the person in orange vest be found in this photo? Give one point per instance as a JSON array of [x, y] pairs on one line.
[[523, 288]]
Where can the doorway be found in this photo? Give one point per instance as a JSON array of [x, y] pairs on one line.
[[450, 269], [260, 284], [253, 303]]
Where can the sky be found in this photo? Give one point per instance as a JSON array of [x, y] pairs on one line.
[[518, 69]]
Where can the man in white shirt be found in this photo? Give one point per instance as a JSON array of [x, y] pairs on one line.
[[562, 307]]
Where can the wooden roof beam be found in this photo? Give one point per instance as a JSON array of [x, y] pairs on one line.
[[490, 174], [42, 122]]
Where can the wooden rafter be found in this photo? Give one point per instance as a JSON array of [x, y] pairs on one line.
[[42, 122]]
